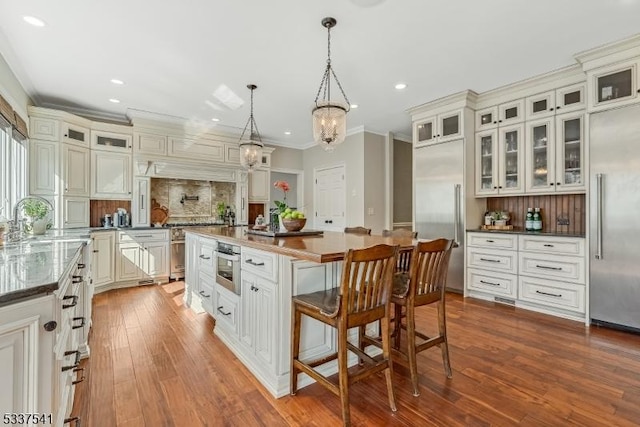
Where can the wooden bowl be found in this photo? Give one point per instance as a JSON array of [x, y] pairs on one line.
[[296, 224]]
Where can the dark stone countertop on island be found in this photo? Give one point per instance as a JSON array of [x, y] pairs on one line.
[[327, 247], [35, 265], [528, 233]]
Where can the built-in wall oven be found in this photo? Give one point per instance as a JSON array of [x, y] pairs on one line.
[[228, 267]]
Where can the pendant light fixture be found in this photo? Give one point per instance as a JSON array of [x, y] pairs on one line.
[[329, 117], [251, 149]]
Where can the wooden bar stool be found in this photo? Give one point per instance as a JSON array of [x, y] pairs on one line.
[[363, 297], [404, 257], [357, 230], [426, 285]]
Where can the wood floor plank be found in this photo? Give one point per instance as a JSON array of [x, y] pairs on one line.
[[154, 362]]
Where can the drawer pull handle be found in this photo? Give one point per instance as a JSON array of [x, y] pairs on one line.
[[73, 419], [81, 378], [143, 235], [77, 279], [490, 241], [206, 296], [490, 260], [547, 245], [549, 294], [222, 312], [74, 301], [204, 257], [257, 264], [77, 361], [546, 267], [489, 283], [82, 322]]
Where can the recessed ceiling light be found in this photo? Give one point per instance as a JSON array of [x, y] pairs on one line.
[[117, 82], [287, 133], [354, 105], [215, 119], [401, 86], [34, 21], [115, 101]]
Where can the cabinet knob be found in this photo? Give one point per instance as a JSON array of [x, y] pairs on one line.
[[50, 326], [551, 183], [550, 109], [557, 183], [495, 188], [500, 186], [558, 107], [495, 122], [499, 121]]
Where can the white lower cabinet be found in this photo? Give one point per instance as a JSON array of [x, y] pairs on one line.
[[102, 260], [539, 272], [142, 255], [226, 310], [75, 212], [191, 247], [258, 318], [206, 286]]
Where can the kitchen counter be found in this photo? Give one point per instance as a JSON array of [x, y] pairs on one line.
[[523, 231], [34, 266], [323, 248]]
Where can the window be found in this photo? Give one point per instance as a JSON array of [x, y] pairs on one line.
[[13, 167]]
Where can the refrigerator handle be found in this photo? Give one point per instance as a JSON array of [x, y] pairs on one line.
[[599, 191], [456, 215]]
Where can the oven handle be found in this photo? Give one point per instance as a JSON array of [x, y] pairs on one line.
[[177, 242], [235, 258]]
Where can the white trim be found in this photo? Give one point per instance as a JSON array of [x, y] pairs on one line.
[[300, 185], [402, 137], [403, 224], [388, 180]]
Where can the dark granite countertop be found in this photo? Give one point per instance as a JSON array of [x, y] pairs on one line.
[[531, 233], [35, 265]]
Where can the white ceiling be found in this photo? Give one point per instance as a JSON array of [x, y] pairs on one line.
[[173, 56]]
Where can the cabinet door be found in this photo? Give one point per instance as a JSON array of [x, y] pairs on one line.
[[140, 212], [75, 135], [511, 160], [75, 212], [487, 118], [247, 308], [242, 196], [449, 126], [259, 188], [511, 112], [46, 129], [155, 259], [266, 319], [111, 141], [613, 86], [424, 132], [570, 174], [75, 165], [191, 251], [43, 167], [102, 262], [150, 144], [191, 148], [128, 262], [110, 175], [540, 156], [232, 154], [541, 105], [570, 98], [486, 163]]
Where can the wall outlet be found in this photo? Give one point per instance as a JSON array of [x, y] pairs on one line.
[[563, 220], [370, 211]]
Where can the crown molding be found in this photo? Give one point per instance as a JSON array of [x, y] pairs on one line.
[[624, 48]]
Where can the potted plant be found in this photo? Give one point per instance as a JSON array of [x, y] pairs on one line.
[[36, 213], [500, 218]]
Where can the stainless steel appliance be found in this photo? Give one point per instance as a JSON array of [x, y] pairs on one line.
[[438, 202], [228, 267], [177, 253], [614, 206]]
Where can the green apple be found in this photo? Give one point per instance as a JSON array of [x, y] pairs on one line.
[[288, 210]]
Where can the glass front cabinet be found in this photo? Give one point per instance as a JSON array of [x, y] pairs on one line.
[[555, 154], [436, 129], [500, 161], [614, 85]]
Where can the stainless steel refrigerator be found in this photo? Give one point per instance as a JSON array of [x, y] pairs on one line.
[[614, 199], [438, 185]]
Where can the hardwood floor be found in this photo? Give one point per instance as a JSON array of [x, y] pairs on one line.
[[155, 363]]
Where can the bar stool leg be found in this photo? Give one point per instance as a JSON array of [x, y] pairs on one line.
[[411, 349], [386, 353], [343, 374], [397, 326], [295, 348], [444, 346]]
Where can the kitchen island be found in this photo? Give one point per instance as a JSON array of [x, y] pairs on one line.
[[256, 322]]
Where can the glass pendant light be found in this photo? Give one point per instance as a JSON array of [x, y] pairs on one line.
[[329, 117], [251, 149]]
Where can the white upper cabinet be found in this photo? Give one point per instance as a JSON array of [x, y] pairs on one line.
[[75, 167], [111, 141], [571, 98], [43, 128], [73, 134], [140, 209], [75, 212], [500, 161], [440, 128], [43, 167], [541, 105], [550, 103], [613, 85], [504, 114], [259, 186], [145, 143], [110, 175], [197, 149]]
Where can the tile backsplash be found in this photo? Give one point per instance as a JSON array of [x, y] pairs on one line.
[[191, 200]]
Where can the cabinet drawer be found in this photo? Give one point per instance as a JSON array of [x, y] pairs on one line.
[[262, 263], [493, 240], [206, 289], [566, 268], [493, 283], [496, 260], [207, 256], [226, 312], [567, 296], [142, 236], [553, 245]]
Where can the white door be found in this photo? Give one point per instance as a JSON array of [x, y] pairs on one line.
[[43, 164], [128, 262], [155, 259], [140, 212], [75, 212], [329, 190], [102, 265], [75, 163], [110, 175]]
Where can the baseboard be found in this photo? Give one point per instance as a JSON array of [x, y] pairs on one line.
[[129, 284]]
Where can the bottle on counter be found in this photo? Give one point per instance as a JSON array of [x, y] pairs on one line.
[[528, 222], [537, 220]]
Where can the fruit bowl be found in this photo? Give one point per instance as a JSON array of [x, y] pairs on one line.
[[294, 224]]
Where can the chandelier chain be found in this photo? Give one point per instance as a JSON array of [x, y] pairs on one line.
[[326, 77]]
